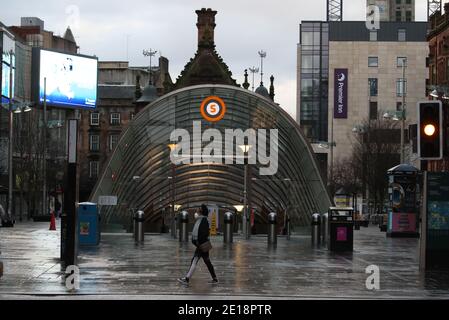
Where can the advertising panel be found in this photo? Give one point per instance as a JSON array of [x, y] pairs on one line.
[[8, 57], [68, 81], [341, 94]]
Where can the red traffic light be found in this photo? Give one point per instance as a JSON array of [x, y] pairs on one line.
[[430, 130]]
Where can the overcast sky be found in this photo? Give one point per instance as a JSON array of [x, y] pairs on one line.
[[244, 27]]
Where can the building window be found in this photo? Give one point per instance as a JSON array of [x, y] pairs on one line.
[[408, 15], [94, 119], [402, 35], [94, 142], [398, 106], [401, 87], [373, 35], [372, 83], [373, 110], [401, 61], [310, 38], [398, 16], [115, 119], [93, 169], [373, 61], [398, 1], [113, 139]]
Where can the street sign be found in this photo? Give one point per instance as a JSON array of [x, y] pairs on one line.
[[107, 200]]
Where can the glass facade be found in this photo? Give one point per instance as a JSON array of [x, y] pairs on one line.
[[313, 118], [143, 150]]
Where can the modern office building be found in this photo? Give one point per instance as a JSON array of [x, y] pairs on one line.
[[395, 10], [370, 63]]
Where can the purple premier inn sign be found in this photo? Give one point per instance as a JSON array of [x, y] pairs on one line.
[[341, 94]]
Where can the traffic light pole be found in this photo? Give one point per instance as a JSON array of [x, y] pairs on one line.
[[403, 114]]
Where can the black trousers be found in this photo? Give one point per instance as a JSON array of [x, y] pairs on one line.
[[196, 257]]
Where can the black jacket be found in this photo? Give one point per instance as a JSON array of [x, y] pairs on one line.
[[203, 232]]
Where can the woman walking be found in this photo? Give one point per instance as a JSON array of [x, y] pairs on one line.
[[200, 238]]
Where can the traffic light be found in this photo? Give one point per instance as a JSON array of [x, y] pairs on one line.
[[430, 130]]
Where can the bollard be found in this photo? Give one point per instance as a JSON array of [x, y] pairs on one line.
[[228, 234], [316, 225], [139, 219], [174, 225], [272, 235], [324, 227], [183, 228]]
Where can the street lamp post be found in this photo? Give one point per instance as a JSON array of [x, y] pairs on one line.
[[246, 225], [330, 146], [44, 143], [403, 108], [172, 146], [253, 70], [10, 145], [150, 53]]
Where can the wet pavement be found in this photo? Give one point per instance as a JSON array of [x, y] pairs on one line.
[[247, 269]]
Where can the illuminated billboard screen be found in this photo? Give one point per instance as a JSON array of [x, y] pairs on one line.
[[70, 80], [8, 50]]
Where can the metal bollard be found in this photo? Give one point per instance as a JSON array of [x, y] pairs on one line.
[[184, 223], [139, 219], [324, 227], [228, 233], [272, 235], [316, 226], [174, 225]]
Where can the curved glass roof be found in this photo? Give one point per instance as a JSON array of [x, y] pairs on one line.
[[142, 151]]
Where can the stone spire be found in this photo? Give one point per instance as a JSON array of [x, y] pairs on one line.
[[272, 87], [246, 83], [206, 26], [138, 91]]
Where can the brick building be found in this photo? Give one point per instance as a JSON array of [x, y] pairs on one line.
[[122, 92]]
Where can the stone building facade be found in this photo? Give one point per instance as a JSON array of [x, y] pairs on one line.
[[438, 38], [373, 61], [123, 91]]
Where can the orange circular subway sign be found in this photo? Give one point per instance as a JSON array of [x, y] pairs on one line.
[[213, 109]]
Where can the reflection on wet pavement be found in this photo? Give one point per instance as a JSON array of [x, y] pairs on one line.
[[246, 269]]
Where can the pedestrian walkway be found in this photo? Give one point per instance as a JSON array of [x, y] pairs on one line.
[[248, 269]]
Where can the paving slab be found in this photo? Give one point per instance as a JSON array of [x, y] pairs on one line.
[[248, 269]]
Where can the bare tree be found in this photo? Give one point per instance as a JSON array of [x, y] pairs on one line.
[[345, 176], [376, 149]]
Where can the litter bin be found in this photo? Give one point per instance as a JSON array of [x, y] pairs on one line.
[[341, 229], [88, 224], [316, 229], [228, 232], [272, 235]]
